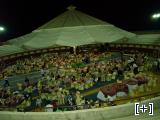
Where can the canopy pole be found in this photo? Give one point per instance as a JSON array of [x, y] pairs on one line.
[[74, 50]]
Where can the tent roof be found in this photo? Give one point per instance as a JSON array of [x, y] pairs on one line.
[[145, 39], [9, 49], [72, 18], [72, 28], [75, 36]]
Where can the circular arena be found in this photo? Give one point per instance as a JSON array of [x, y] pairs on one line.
[[76, 63]]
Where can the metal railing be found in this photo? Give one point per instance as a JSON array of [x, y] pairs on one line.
[[126, 47], [81, 107]]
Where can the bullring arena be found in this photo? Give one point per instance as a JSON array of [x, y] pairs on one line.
[[79, 68]]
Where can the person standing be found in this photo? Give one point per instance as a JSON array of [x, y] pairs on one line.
[[6, 83], [135, 68]]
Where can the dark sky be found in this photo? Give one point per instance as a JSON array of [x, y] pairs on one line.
[[23, 16]]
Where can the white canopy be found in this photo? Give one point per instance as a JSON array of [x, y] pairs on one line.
[[9, 49], [145, 39], [72, 28], [75, 36]]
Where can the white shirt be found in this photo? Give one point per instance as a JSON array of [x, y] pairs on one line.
[[49, 108], [130, 60], [38, 102], [134, 66], [111, 98], [42, 71], [101, 96]]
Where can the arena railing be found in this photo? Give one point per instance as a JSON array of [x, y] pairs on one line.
[[139, 98], [154, 50], [149, 49]]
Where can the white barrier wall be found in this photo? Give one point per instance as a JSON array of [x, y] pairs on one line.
[[107, 113]]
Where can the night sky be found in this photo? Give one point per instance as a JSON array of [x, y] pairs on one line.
[[20, 17]]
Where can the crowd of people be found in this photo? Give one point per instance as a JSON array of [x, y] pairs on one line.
[[64, 77]]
